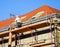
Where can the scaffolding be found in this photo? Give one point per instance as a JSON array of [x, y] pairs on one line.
[[52, 22]]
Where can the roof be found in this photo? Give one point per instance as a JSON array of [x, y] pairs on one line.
[[41, 11]]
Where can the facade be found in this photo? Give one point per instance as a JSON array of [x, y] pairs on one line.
[[40, 28]]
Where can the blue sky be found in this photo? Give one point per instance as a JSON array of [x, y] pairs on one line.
[[19, 7]]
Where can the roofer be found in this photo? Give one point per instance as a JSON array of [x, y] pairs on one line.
[[18, 22]]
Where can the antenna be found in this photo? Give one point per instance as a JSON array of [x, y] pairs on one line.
[[12, 15]]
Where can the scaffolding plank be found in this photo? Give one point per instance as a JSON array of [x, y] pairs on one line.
[[25, 28], [42, 44]]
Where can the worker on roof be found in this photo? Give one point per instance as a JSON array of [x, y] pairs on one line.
[[18, 22], [17, 19]]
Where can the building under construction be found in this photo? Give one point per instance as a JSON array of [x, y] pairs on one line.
[[39, 28]]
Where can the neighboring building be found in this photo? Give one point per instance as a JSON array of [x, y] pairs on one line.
[[40, 28]]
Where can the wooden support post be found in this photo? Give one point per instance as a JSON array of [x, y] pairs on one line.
[[10, 38], [2, 42], [15, 40], [36, 37], [51, 28], [55, 36], [55, 32]]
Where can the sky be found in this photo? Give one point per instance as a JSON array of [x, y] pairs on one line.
[[19, 7]]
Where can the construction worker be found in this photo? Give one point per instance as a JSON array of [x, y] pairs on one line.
[[18, 22]]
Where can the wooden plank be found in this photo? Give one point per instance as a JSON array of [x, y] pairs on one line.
[[25, 28], [42, 44]]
